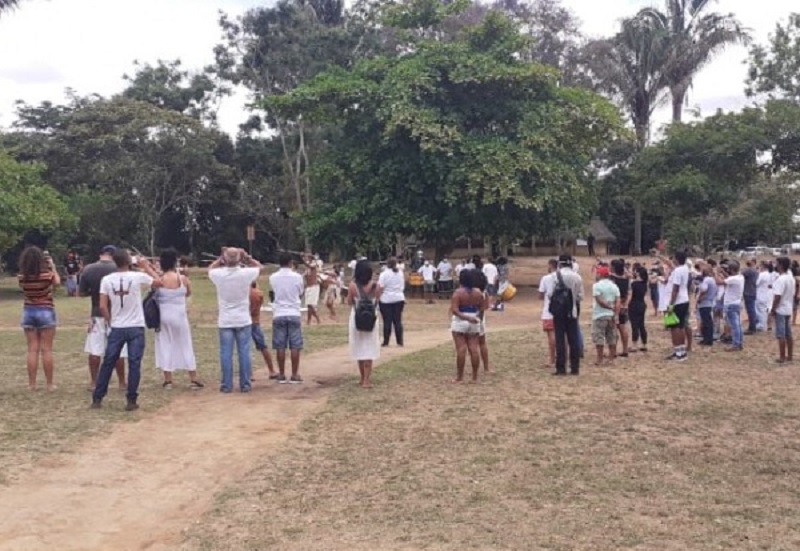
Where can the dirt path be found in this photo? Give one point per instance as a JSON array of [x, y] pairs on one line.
[[140, 486]]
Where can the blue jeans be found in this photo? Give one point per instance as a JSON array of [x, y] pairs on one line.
[[241, 337], [117, 339], [752, 314], [733, 317]]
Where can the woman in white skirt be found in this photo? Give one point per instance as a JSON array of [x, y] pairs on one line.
[[467, 308], [365, 346], [174, 350]]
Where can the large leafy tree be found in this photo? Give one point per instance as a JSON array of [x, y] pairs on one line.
[[454, 138], [775, 68], [700, 175], [27, 202], [272, 50], [694, 36]]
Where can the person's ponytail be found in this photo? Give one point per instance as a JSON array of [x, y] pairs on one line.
[[392, 264]]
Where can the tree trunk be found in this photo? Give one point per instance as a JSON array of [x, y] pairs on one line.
[[637, 228], [678, 101]]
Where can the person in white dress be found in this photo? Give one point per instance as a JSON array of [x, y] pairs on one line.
[[174, 349], [364, 345]]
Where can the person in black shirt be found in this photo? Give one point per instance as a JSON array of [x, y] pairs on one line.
[[637, 308], [72, 266], [622, 281]]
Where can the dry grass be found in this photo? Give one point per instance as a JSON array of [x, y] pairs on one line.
[[642, 455], [33, 425]]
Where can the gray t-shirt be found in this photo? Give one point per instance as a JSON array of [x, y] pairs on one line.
[[750, 280], [91, 277]]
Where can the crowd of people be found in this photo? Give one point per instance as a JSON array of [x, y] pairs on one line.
[[116, 283], [711, 293]]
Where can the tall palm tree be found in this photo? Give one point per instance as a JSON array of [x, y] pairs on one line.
[[630, 67], [695, 37]]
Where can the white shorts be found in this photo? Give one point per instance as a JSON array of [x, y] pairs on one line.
[[97, 337], [312, 296], [458, 325]]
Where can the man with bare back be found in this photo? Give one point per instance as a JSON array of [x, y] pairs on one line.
[[311, 280]]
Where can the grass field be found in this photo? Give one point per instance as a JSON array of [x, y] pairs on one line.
[[641, 455], [33, 424]]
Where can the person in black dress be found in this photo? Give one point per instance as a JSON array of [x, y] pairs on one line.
[[623, 282], [637, 309]]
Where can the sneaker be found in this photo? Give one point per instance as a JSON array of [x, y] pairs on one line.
[[132, 406], [672, 356], [296, 380], [97, 404], [281, 379], [681, 358], [166, 385], [274, 377]]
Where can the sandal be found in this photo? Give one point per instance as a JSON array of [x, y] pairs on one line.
[[196, 385], [167, 385]]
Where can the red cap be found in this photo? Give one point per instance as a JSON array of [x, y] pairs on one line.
[[602, 271]]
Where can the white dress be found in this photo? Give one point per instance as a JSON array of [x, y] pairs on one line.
[[364, 345], [174, 350]]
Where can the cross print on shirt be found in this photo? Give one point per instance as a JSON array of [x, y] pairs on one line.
[[121, 292]]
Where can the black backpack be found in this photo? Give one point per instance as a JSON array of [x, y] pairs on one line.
[[561, 302], [152, 312], [365, 315]]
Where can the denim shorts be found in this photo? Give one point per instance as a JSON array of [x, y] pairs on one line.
[[287, 332], [783, 327], [38, 317], [258, 337]]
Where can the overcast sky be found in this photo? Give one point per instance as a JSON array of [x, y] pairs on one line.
[[47, 46]]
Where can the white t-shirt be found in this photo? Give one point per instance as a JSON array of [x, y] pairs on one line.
[[427, 273], [445, 270], [393, 284], [734, 289], [491, 273], [469, 266], [233, 295], [679, 277], [546, 287], [124, 292], [784, 287], [288, 288], [763, 284]]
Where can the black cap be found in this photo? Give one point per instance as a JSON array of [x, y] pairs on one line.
[[108, 249], [565, 259]]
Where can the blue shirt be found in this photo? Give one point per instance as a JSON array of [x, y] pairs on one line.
[[709, 287]]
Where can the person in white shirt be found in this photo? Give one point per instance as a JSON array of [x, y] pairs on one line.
[[491, 273], [287, 329], [391, 285], [428, 273], [232, 274], [444, 271], [546, 286], [121, 308], [784, 289], [764, 295], [678, 287], [734, 293]]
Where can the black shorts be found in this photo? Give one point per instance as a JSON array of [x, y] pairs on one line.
[[682, 311], [623, 316]]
